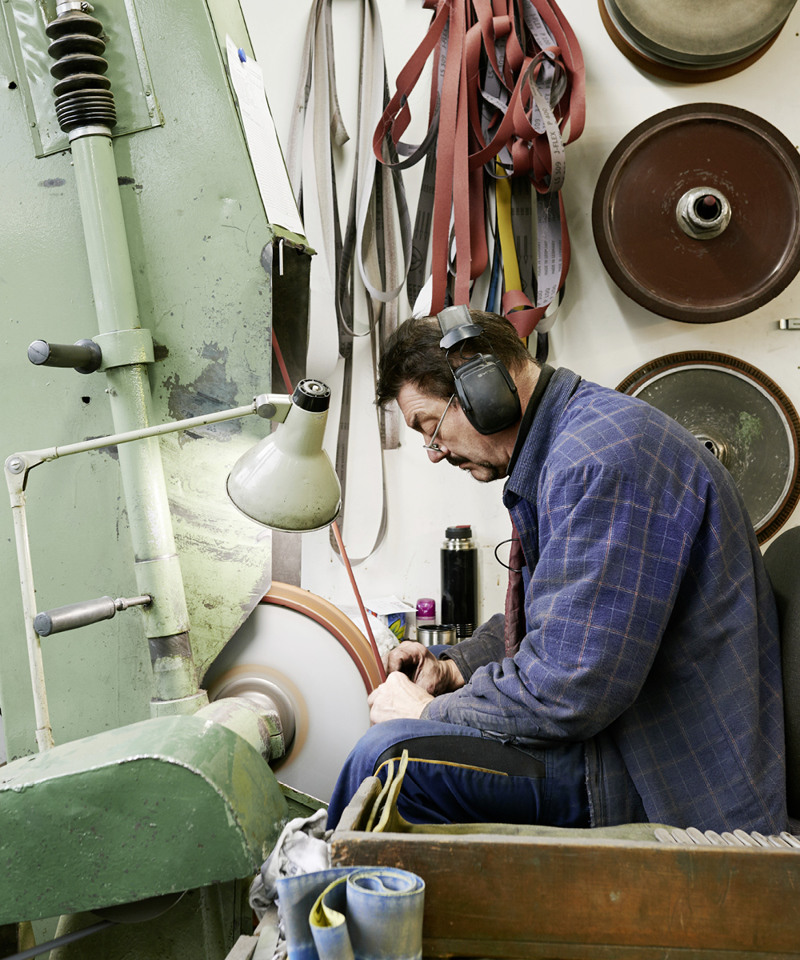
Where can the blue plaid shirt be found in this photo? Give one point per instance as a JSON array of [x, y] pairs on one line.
[[651, 625]]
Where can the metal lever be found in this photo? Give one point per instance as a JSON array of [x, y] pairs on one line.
[[83, 613], [84, 356]]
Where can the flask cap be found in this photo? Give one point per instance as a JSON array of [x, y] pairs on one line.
[[426, 607], [463, 532]]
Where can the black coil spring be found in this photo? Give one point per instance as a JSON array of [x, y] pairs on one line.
[[83, 93]]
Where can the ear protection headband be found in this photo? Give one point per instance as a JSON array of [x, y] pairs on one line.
[[483, 385]]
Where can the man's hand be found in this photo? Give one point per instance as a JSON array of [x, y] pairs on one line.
[[423, 669], [397, 698]]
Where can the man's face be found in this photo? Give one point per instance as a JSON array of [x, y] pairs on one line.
[[458, 442]]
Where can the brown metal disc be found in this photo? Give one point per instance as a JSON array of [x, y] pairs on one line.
[[739, 414], [689, 41], [660, 239]]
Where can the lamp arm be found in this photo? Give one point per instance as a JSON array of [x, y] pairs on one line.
[[44, 732], [270, 406]]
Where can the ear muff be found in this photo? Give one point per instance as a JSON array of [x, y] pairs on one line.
[[483, 385]]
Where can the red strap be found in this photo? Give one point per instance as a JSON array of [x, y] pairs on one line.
[[397, 115], [485, 35]]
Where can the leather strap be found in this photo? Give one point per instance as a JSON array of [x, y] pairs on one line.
[[367, 259], [507, 88], [316, 128]]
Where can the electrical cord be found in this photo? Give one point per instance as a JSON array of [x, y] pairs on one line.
[[507, 566], [61, 941], [373, 644]]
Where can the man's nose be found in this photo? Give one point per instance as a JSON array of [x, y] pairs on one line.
[[437, 455]]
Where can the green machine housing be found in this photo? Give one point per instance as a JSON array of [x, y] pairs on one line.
[[153, 243]]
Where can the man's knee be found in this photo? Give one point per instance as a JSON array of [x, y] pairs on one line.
[[376, 741]]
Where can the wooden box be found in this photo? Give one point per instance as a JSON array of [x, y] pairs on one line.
[[579, 895]]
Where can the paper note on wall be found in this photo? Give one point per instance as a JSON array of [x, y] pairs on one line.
[[262, 141]]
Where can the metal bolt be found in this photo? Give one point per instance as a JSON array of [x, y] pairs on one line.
[[718, 447], [15, 464], [703, 213]]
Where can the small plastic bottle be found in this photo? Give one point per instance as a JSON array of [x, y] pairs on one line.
[[426, 613]]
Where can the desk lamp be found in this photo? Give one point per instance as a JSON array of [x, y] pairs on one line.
[[286, 481]]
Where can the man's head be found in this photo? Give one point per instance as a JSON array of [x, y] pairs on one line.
[[413, 355], [418, 373]]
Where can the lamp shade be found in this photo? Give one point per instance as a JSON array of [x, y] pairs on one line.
[[287, 481]]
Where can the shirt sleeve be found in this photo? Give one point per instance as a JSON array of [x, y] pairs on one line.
[[597, 604], [486, 645]]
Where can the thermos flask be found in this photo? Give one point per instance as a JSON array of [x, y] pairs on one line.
[[459, 570]]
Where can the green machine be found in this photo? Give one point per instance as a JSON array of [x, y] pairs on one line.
[[136, 290]]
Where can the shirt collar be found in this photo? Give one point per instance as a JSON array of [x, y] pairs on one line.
[[545, 373], [533, 443]]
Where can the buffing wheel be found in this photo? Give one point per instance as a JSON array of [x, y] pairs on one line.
[[741, 416], [683, 40], [317, 667], [696, 213]]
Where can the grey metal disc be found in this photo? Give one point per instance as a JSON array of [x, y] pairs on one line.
[[738, 413], [694, 35]]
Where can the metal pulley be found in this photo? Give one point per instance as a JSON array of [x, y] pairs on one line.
[[684, 40], [696, 213], [738, 413]]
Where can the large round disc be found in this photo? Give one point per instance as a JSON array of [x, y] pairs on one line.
[[746, 166], [694, 41], [738, 413], [302, 648]]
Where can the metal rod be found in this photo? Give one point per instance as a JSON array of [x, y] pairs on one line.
[[271, 406], [141, 467], [44, 731], [142, 433], [83, 613]]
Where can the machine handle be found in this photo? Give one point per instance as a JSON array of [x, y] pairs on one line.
[[84, 356], [83, 613]]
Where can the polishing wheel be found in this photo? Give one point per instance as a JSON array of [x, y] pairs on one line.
[[739, 414], [684, 40], [301, 655], [696, 213]]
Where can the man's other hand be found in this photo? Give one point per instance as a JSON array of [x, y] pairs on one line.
[[423, 669]]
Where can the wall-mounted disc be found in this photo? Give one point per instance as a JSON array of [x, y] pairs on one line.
[[684, 40], [738, 413], [696, 213]]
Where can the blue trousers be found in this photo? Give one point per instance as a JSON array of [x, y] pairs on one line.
[[457, 774]]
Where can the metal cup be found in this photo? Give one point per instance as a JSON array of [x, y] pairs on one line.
[[430, 634]]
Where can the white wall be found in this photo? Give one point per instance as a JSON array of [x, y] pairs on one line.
[[600, 333]]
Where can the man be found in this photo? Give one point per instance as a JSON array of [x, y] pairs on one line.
[[639, 678]]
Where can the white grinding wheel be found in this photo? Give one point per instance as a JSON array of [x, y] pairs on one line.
[[317, 667]]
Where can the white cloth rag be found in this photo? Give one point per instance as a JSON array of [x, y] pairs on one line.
[[302, 847]]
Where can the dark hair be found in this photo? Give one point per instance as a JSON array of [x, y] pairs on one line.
[[412, 355]]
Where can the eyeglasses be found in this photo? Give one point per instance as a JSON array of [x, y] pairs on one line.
[[433, 445]]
